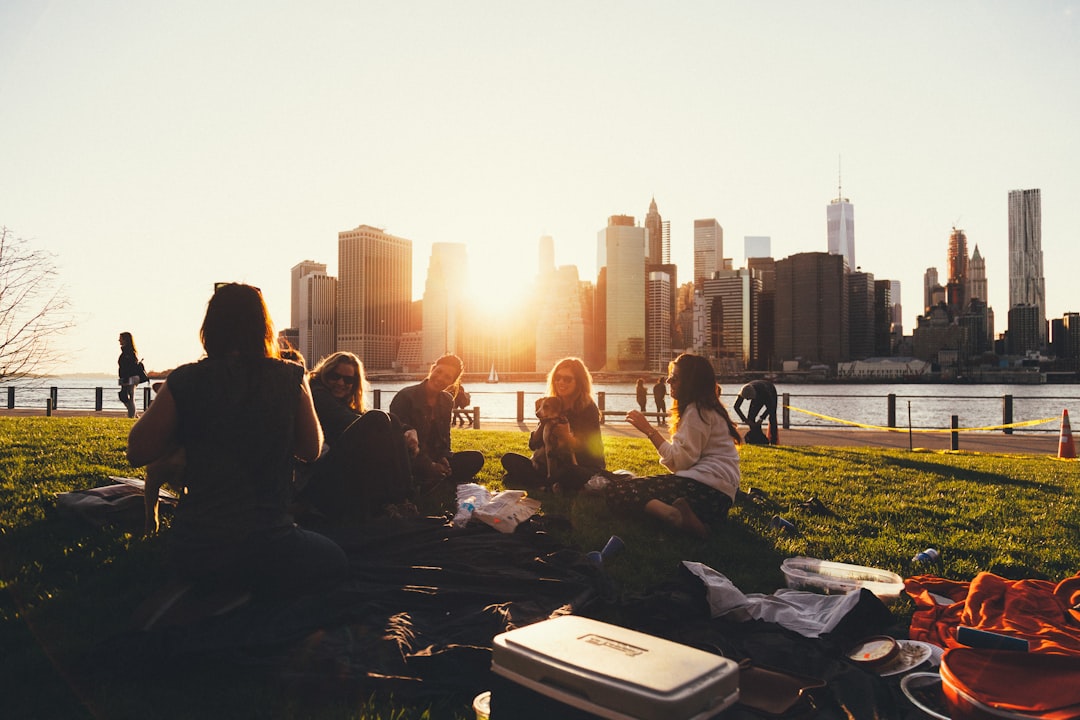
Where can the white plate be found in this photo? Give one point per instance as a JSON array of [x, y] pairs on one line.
[[913, 653], [928, 684]]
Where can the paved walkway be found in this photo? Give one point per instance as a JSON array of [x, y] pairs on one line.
[[1019, 443]]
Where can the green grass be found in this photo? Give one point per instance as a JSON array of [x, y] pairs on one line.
[[67, 588]]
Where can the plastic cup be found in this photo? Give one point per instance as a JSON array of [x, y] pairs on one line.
[[613, 547], [481, 705]]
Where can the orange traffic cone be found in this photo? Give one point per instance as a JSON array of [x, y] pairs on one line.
[[1066, 448]]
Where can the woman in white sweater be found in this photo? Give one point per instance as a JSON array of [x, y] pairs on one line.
[[702, 456]]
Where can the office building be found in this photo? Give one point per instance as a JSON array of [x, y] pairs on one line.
[[299, 270], [840, 215], [318, 316], [861, 315], [374, 294], [730, 297], [560, 332], [444, 291], [621, 259], [811, 312], [708, 249], [654, 224], [930, 287], [1027, 286], [658, 314], [956, 289]]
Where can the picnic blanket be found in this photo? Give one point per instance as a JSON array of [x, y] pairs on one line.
[[1044, 613]]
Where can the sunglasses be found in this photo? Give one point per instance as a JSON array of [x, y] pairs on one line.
[[563, 378], [332, 377]]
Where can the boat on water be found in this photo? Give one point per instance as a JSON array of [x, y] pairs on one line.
[[493, 377]]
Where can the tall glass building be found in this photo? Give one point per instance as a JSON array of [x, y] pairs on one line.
[[621, 260]]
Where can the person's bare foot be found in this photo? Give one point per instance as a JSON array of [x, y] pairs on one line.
[[690, 521]]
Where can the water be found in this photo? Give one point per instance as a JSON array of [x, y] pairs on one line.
[[931, 406]]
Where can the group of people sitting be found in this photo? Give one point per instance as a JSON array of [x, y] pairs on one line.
[[251, 437]]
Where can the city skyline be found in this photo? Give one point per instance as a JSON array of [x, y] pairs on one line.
[[156, 149]]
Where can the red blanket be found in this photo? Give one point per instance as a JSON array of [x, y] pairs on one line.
[[1045, 614]]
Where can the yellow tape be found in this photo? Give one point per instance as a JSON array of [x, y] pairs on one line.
[[1025, 423]]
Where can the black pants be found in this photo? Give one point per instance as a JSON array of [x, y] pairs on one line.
[[366, 469]]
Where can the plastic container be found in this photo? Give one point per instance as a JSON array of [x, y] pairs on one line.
[[481, 705], [615, 672], [833, 578], [926, 557]]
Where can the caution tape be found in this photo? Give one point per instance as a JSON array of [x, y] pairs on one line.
[[985, 428]]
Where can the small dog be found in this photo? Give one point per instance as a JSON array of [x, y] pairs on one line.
[[558, 450]]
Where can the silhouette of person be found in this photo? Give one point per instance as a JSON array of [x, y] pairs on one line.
[[763, 399]]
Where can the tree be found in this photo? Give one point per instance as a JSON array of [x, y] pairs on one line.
[[33, 308]]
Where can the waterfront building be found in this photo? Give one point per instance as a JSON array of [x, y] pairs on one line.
[[975, 340], [730, 297], [374, 294], [1025, 325], [659, 303], [883, 369], [840, 216], [299, 270], [936, 335], [861, 315], [956, 289], [621, 257], [444, 294], [708, 249], [884, 333], [756, 246], [1067, 340], [811, 312], [317, 326], [654, 225], [896, 318], [560, 329], [1027, 286], [930, 288]]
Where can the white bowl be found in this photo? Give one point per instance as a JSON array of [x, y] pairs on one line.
[[833, 578]]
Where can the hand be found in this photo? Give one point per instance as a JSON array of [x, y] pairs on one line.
[[412, 442], [639, 421], [442, 467]]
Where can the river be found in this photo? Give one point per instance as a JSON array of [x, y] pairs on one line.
[[930, 406]]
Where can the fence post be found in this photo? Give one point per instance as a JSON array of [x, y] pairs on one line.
[[955, 435], [787, 411], [11, 398], [601, 398], [376, 398], [53, 396], [521, 406], [476, 417], [892, 410], [1007, 413], [48, 407], [98, 393], [145, 398]]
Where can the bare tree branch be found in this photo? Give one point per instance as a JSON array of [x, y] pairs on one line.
[[34, 310]]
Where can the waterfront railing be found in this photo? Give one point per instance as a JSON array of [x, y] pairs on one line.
[[1018, 412]]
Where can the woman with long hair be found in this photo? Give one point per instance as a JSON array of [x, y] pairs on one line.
[[366, 469], [427, 407], [570, 382], [239, 416], [702, 456], [129, 371]]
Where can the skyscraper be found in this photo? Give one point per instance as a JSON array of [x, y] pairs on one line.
[[299, 270], [812, 308], [1026, 283], [621, 259], [443, 297], [708, 249], [956, 289], [841, 223], [930, 286], [654, 224], [659, 321], [374, 294], [318, 313]]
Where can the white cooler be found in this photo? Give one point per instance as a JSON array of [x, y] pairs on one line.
[[615, 673]]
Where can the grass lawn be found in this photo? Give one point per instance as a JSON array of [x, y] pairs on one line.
[[66, 588]]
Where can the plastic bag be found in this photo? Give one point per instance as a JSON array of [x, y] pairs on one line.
[[469, 497], [506, 510]]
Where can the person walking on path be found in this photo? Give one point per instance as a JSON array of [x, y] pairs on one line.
[[659, 393], [130, 371], [763, 399]]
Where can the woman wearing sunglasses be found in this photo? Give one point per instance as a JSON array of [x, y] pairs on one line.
[[702, 456], [571, 382], [366, 469]]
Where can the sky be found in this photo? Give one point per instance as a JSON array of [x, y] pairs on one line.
[[158, 147]]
